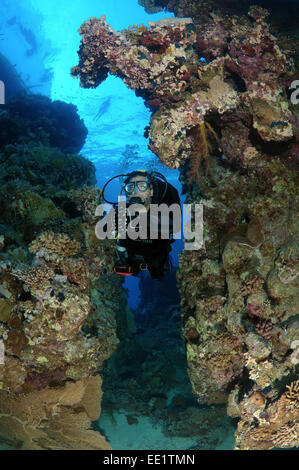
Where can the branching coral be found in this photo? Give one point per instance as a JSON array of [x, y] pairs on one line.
[[265, 329], [34, 277], [274, 426], [252, 284], [138, 28], [50, 244], [291, 395]]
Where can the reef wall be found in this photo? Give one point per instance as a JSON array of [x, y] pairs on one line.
[[59, 301], [147, 376], [217, 84]]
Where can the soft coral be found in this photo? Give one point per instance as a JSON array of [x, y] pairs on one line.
[[201, 150]]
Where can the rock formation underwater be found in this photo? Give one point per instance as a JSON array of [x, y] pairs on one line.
[[230, 126], [217, 81]]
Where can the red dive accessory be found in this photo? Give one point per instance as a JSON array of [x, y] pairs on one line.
[[123, 270]]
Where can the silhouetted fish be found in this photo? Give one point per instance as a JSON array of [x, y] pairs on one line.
[[103, 108]]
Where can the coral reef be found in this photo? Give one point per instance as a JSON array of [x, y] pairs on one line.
[[202, 9], [28, 117], [263, 426], [151, 61], [54, 419], [216, 79], [55, 329], [34, 181], [147, 375], [59, 300]]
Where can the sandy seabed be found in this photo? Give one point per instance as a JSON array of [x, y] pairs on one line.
[[147, 436]]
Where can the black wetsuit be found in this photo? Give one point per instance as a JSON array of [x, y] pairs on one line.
[[149, 253]]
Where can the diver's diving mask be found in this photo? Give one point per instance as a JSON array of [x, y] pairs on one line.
[[142, 186]]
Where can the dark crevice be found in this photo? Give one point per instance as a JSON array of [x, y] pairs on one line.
[[272, 148]]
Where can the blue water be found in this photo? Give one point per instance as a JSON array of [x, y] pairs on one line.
[[114, 116]]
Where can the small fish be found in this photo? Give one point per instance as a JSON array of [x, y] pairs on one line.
[[30, 38], [103, 108]]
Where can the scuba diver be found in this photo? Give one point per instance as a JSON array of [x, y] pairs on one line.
[[135, 255]]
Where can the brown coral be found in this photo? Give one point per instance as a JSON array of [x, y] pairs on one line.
[[34, 277], [50, 244], [57, 418], [276, 426], [291, 396], [265, 329], [252, 284]]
